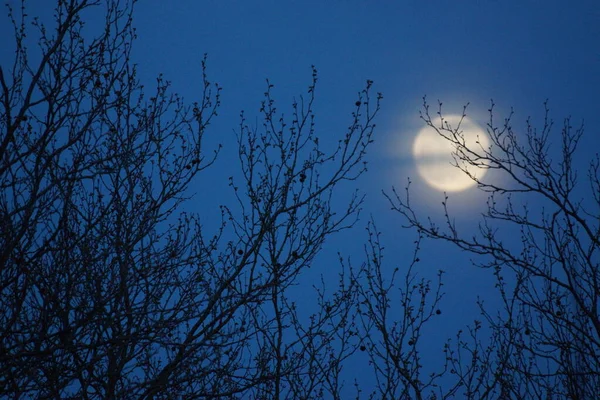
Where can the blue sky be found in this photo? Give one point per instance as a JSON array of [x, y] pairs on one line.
[[519, 53]]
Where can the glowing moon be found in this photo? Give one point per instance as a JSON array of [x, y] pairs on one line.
[[433, 155]]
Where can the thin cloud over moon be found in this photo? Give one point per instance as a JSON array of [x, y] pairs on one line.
[[434, 160]]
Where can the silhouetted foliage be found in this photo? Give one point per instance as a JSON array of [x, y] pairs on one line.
[[545, 342], [108, 290]]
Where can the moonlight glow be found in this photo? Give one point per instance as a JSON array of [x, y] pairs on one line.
[[433, 155]]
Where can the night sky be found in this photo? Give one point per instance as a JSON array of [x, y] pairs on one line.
[[518, 53]]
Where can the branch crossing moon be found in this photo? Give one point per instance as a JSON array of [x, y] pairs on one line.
[[434, 160]]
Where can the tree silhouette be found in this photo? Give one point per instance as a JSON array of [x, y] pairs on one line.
[[109, 289], [545, 342]]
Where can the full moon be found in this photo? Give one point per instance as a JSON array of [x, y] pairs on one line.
[[433, 155]]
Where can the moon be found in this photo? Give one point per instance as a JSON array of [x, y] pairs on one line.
[[433, 155]]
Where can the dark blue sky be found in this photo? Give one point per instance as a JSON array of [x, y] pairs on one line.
[[519, 53]]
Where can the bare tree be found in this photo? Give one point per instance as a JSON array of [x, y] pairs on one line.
[[391, 343], [545, 339], [108, 290]]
